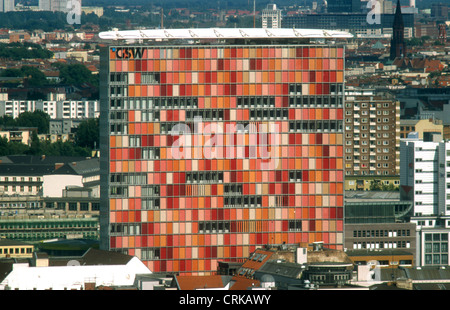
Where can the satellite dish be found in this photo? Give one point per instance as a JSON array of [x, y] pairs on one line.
[[374, 272], [267, 278], [373, 263], [73, 263]]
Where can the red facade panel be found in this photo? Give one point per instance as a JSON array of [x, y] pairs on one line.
[[185, 213]]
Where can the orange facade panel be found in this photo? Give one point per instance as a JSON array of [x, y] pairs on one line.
[[185, 214]]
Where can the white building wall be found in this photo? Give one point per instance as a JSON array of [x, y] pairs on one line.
[[419, 163], [74, 276], [55, 109], [7, 6], [271, 17], [49, 107], [21, 185], [14, 108], [54, 184], [44, 5], [425, 166], [427, 253], [444, 178]]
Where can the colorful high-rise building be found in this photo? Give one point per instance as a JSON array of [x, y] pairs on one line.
[[218, 141]]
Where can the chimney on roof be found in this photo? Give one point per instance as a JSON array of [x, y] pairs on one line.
[[89, 286], [318, 246], [302, 256], [58, 165], [40, 259]]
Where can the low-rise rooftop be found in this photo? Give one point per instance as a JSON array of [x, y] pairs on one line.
[[223, 34]]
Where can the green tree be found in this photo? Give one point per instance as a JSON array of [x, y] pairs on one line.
[[38, 147], [88, 134], [38, 119], [46, 21], [375, 186], [34, 76], [76, 74], [12, 73], [19, 51], [36, 95], [17, 148], [35, 147], [4, 146], [390, 187], [7, 121], [67, 148]]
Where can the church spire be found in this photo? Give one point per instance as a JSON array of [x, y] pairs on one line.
[[398, 18], [398, 45]]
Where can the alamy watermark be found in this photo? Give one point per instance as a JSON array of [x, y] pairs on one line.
[[221, 141], [73, 12], [374, 15]]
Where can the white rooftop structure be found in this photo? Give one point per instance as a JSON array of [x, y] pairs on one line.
[[224, 33], [24, 277], [102, 271]]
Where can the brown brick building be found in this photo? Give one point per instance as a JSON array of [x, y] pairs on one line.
[[384, 258], [381, 236], [372, 135]]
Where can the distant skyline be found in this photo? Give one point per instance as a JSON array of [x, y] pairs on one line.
[[421, 4]]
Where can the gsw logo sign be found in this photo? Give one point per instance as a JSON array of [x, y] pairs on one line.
[[128, 52]]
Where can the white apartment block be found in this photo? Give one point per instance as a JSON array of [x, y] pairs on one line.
[[271, 17], [20, 185], [55, 5], [418, 175], [63, 109], [425, 180], [7, 6], [44, 5]]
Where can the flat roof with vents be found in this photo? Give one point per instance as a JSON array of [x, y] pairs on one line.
[[224, 33]]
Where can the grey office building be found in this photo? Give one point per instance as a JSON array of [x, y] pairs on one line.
[[356, 23]]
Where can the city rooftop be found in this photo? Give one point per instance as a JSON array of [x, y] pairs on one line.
[[224, 33]]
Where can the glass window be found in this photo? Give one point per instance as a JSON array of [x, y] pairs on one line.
[[72, 206], [436, 259], [84, 206], [436, 247]]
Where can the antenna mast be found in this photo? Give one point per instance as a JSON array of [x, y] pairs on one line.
[[254, 14]]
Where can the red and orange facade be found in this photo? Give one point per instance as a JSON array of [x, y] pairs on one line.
[[182, 201]]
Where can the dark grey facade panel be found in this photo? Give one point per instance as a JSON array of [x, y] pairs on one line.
[[341, 21], [104, 150]]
